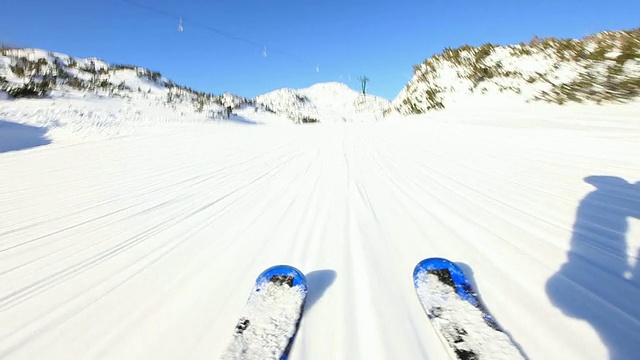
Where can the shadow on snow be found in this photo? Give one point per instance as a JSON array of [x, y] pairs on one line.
[[242, 120], [317, 284], [14, 136], [598, 283]]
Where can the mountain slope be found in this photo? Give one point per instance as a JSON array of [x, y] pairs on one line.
[[601, 68], [324, 102], [83, 97], [146, 247], [36, 73]]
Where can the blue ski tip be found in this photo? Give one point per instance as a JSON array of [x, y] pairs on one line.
[[462, 285], [296, 276]]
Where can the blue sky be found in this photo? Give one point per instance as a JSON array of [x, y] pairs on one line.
[[221, 47]]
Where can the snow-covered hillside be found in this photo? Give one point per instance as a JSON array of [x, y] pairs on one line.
[[65, 96], [146, 246], [39, 74], [325, 102], [601, 68], [36, 73]]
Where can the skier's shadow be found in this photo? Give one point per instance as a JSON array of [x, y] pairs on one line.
[[597, 283], [318, 282], [468, 273]]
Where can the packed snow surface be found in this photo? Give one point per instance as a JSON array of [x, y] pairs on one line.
[[143, 241]]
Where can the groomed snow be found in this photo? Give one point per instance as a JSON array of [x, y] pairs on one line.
[[145, 246]]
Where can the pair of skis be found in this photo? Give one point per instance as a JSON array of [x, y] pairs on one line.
[[273, 312]]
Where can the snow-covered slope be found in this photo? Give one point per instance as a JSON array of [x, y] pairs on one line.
[[65, 97], [36, 73], [62, 73], [324, 102], [132, 90], [146, 246], [600, 68]]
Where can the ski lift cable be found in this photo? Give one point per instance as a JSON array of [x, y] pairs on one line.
[[210, 28], [184, 21]]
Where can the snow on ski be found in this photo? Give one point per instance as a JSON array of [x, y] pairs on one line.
[[271, 317], [463, 324]]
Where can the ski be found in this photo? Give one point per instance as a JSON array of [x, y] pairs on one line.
[[271, 317], [464, 325]]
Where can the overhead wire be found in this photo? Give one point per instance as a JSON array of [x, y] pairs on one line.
[[219, 32]]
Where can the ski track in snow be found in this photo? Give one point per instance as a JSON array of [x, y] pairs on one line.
[[146, 246]]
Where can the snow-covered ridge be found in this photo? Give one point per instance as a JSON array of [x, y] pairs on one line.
[[57, 71], [29, 73], [324, 102], [68, 97], [604, 67], [37, 73]]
